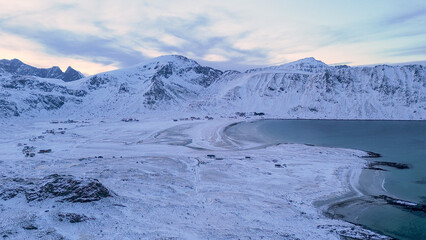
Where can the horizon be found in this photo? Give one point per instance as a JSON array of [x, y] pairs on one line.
[[226, 69], [95, 36]]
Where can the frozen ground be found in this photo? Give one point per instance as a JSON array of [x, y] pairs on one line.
[[166, 180]]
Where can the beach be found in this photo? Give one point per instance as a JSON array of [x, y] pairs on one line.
[[182, 179]]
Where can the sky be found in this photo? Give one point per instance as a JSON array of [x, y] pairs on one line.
[[96, 36]]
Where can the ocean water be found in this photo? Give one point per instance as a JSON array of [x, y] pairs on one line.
[[396, 141]]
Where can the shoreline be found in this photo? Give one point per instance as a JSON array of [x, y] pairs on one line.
[[368, 200], [188, 178], [353, 180]]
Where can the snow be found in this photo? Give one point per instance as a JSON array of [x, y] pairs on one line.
[[307, 88], [175, 174], [166, 186], [381, 92]]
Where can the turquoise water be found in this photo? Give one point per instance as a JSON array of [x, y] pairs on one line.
[[396, 141]]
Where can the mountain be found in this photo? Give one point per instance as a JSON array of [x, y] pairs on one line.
[[22, 94], [311, 89], [306, 88], [15, 66], [303, 65], [158, 84]]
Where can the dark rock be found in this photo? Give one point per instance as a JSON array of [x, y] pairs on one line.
[[374, 164], [69, 189], [372, 155], [63, 187], [156, 93], [70, 121], [375, 168], [124, 88], [48, 102], [8, 109], [28, 151], [118, 205], [208, 75], [211, 156], [71, 75], [29, 227], [73, 217], [45, 151], [7, 194], [52, 131], [129, 120], [96, 81], [402, 203]]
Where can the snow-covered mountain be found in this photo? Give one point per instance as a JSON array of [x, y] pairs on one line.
[[29, 94], [15, 66], [311, 89], [310, 65], [306, 88], [163, 83]]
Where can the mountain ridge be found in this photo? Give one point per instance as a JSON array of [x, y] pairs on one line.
[[307, 88], [16, 66]]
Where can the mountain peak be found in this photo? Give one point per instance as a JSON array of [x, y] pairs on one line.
[[309, 64], [308, 60], [15, 60], [71, 75], [175, 59]]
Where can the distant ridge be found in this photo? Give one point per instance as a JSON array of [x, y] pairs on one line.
[[15, 66]]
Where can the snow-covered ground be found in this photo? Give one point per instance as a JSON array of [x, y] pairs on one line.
[[167, 180]]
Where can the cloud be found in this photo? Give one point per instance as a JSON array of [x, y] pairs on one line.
[[226, 34], [407, 16], [410, 51], [66, 43], [215, 58]]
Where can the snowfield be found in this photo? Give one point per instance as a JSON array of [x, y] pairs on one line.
[[162, 179]]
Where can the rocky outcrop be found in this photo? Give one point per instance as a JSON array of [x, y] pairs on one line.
[[60, 187]]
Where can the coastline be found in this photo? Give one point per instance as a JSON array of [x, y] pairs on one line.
[[187, 177], [353, 192]]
